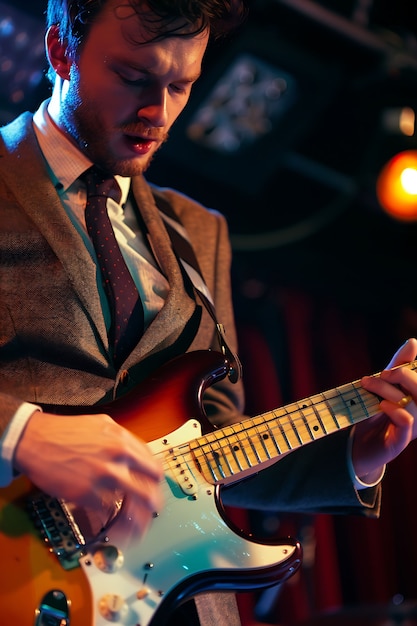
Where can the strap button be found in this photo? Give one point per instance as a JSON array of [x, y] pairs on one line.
[[124, 377]]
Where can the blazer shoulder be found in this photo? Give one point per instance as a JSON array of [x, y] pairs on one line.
[[188, 210], [12, 134]]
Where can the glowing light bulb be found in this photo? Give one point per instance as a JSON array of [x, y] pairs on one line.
[[397, 186], [408, 179]]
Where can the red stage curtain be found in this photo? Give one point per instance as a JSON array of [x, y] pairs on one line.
[[350, 561]]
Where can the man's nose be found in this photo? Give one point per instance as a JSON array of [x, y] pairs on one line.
[[154, 111]]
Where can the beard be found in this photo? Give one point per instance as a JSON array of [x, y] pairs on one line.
[[80, 118]]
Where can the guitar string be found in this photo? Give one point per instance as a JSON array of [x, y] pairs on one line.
[[285, 422]]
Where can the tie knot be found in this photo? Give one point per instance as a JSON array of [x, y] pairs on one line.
[[99, 183]]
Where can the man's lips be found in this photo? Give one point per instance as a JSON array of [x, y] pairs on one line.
[[140, 145]]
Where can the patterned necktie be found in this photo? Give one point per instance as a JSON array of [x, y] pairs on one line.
[[125, 304]]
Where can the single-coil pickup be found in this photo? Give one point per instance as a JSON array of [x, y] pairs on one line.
[[179, 471]]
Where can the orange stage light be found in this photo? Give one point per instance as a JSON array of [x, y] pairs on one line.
[[397, 186]]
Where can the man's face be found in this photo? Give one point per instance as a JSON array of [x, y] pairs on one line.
[[120, 97]]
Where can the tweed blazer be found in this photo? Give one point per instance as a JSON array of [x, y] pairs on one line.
[[53, 341]]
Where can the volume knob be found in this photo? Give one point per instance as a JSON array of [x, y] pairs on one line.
[[108, 558], [112, 607]]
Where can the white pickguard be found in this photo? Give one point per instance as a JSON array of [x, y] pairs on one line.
[[186, 543]]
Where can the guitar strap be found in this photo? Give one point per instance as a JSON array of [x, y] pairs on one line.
[[184, 251], [217, 608]]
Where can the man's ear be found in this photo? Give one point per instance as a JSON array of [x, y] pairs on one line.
[[57, 52]]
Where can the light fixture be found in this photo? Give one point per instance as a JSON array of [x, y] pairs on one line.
[[244, 105], [397, 186]]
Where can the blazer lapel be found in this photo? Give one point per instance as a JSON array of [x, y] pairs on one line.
[[22, 160], [178, 308]]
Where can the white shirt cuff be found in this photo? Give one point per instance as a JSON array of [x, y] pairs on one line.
[[357, 482], [10, 439]]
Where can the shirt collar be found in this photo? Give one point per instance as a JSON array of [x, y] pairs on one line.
[[67, 163]]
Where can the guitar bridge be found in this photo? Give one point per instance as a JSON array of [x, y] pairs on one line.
[[58, 528]]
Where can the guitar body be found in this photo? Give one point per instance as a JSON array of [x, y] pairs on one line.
[[189, 547], [28, 569]]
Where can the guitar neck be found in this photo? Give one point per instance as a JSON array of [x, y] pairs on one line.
[[228, 454]]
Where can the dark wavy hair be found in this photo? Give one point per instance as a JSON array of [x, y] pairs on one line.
[[164, 18]]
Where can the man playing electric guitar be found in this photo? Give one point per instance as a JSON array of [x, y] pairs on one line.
[[121, 73]]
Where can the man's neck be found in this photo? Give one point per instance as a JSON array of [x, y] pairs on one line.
[[54, 106]]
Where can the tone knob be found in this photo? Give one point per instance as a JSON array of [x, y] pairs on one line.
[[112, 607], [108, 558]]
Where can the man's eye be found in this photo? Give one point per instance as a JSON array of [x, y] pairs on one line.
[[132, 81], [180, 88]]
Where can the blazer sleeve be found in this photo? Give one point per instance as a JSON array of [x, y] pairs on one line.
[[312, 479]]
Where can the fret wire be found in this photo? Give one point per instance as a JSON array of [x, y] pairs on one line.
[[292, 425], [341, 410], [330, 411], [244, 436], [343, 406], [300, 415], [369, 400], [200, 454], [234, 445], [263, 441], [307, 425], [320, 421], [280, 423], [209, 458], [347, 399], [318, 429], [217, 460], [310, 409], [272, 442], [229, 469], [278, 432], [361, 403], [212, 458], [243, 447], [282, 432], [235, 448], [254, 450], [230, 472], [275, 428]]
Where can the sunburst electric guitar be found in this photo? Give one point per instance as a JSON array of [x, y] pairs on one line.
[[63, 566]]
